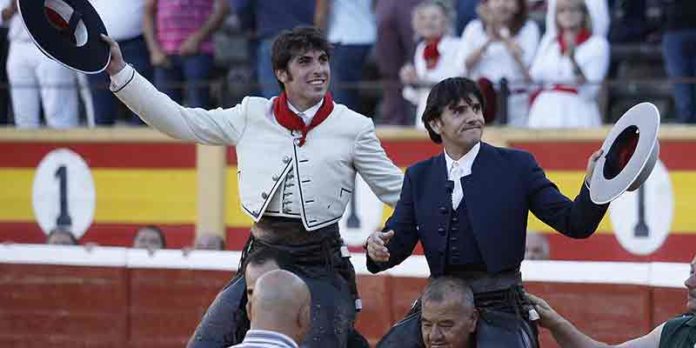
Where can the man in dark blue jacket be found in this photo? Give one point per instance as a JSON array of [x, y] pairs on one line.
[[468, 207]]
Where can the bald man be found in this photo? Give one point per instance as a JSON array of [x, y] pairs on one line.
[[449, 316], [279, 311]]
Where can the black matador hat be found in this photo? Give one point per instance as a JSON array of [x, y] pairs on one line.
[[630, 153], [67, 31]]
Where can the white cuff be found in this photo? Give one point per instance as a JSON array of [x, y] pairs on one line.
[[122, 78]]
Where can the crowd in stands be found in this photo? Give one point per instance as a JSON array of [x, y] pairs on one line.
[[541, 63]]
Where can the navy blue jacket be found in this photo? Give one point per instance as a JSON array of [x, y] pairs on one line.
[[505, 184]]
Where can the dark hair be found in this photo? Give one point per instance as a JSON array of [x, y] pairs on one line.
[[264, 255], [448, 93], [157, 230], [62, 230], [291, 43], [440, 288]]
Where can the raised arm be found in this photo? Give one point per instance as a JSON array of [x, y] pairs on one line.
[[212, 127]]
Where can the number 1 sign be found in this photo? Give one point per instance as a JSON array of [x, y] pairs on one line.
[[63, 193]]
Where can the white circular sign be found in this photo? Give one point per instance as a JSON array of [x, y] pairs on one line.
[[641, 224], [356, 225], [63, 193]]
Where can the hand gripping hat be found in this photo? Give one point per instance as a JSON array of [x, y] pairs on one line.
[[67, 31], [630, 152]]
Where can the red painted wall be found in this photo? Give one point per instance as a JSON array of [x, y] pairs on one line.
[[61, 306]]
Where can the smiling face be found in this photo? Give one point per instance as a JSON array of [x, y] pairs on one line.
[[430, 21], [306, 78], [460, 125], [691, 287]]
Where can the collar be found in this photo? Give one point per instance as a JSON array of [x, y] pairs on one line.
[[263, 336], [308, 114], [466, 162]]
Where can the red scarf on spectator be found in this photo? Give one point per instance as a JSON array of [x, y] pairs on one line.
[[581, 37], [291, 121], [431, 53]]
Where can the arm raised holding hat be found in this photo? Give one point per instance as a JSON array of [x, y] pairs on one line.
[[212, 127]]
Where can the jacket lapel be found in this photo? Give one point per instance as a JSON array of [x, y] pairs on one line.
[[440, 182], [481, 189]]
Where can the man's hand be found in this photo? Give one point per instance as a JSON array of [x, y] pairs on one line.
[[591, 162], [190, 46], [549, 318], [376, 245], [117, 63]]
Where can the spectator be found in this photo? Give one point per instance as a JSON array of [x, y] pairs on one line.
[[569, 67], [209, 242], [351, 30], [260, 262], [501, 45], [36, 81], [270, 18], [435, 57], [679, 331], [536, 246], [125, 25], [449, 315], [61, 236], [279, 311], [679, 51], [598, 11], [395, 46], [178, 36], [150, 238]]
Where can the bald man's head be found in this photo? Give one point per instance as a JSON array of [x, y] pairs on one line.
[[281, 303]]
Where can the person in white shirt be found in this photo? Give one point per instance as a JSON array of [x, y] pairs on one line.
[[298, 155], [501, 45], [435, 56], [569, 68], [279, 311], [36, 81], [124, 24], [351, 28]]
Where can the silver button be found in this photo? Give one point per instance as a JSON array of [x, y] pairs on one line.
[[286, 159], [275, 178], [264, 195]]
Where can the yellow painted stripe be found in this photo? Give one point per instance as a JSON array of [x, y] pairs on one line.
[[122, 196], [683, 185]]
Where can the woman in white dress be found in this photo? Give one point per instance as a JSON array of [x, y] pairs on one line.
[[501, 44], [435, 56], [569, 68]]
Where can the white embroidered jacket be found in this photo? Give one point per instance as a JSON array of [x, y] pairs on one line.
[[323, 169]]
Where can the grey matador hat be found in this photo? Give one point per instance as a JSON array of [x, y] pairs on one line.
[[630, 152], [67, 31]]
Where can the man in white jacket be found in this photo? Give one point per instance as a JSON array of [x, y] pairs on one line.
[[298, 155]]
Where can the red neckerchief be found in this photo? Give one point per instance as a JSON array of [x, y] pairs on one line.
[[581, 37], [431, 53], [288, 119]]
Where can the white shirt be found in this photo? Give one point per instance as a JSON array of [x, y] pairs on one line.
[[497, 62], [308, 114], [459, 169], [265, 338], [352, 22], [122, 21]]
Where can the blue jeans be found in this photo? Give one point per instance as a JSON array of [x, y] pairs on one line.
[[105, 103], [264, 70], [190, 73], [347, 62], [679, 51]]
